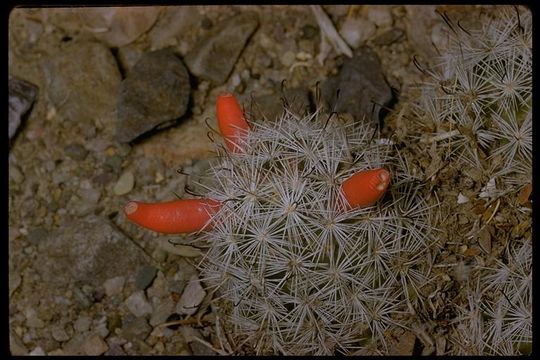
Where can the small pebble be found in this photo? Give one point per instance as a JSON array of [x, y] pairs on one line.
[[138, 329], [163, 310], [114, 286], [114, 162], [288, 58], [115, 350], [125, 184], [94, 345], [59, 333], [356, 31], [37, 235], [82, 324], [38, 351], [138, 305], [15, 174], [32, 319], [191, 298], [381, 15], [309, 31], [76, 152], [145, 277], [462, 199]]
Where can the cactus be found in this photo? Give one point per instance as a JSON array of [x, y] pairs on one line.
[[478, 101], [478, 96], [307, 251], [297, 272], [498, 317]]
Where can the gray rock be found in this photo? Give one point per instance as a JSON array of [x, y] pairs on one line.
[[15, 174], [153, 95], [114, 162], [138, 305], [76, 152], [88, 201], [82, 324], [74, 345], [389, 37], [164, 309], [16, 346], [145, 277], [138, 329], [214, 56], [185, 272], [32, 319], [191, 298], [22, 95], [363, 89], [37, 235], [82, 298], [173, 22], [82, 81], [114, 286], [101, 329], [89, 250], [59, 333], [128, 57], [15, 280], [115, 350], [94, 345], [199, 349], [38, 351]]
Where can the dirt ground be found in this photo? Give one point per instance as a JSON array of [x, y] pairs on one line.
[[83, 280]]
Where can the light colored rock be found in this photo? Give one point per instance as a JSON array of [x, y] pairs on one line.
[[462, 199], [287, 59], [191, 297], [163, 310], [214, 56], [59, 333], [94, 345], [82, 324], [173, 22], [38, 351], [32, 319], [124, 184], [380, 15], [114, 286], [16, 346], [138, 305], [82, 81], [355, 31], [119, 26]]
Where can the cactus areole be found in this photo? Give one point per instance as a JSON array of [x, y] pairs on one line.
[[304, 233]]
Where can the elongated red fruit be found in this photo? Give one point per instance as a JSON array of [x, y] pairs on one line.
[[231, 120], [366, 187], [173, 217]]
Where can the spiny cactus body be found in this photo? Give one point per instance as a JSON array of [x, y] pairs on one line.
[[478, 98], [301, 273], [498, 317]]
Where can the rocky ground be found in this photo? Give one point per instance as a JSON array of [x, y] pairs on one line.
[[88, 137]]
